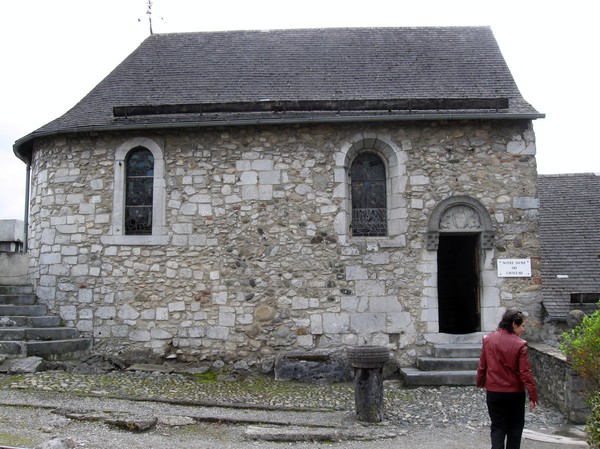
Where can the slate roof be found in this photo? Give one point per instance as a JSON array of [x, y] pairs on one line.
[[570, 240], [295, 76]]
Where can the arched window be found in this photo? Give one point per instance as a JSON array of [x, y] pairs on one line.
[[139, 182], [369, 198], [139, 195]]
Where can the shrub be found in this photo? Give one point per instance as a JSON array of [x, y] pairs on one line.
[[592, 427], [581, 345]]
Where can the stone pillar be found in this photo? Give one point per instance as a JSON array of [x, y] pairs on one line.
[[368, 362]]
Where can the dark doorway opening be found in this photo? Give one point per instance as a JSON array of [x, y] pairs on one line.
[[458, 284]]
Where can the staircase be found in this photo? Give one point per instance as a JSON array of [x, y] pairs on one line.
[[451, 364], [26, 330]]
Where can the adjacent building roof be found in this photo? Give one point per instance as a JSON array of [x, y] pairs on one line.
[[570, 242], [295, 76]]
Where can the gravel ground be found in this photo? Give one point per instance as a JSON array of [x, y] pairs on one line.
[[219, 412]]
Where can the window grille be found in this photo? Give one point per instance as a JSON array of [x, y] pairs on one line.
[[139, 183], [369, 199]]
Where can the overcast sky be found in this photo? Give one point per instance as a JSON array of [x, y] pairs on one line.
[[55, 51]]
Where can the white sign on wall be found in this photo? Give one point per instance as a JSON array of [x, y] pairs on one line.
[[514, 268]]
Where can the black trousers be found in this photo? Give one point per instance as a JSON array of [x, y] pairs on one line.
[[507, 412]]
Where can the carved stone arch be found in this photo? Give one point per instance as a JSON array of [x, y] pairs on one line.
[[460, 214], [159, 189], [394, 160], [374, 145]]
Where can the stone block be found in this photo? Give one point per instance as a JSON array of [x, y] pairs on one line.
[[385, 304], [400, 322], [218, 333], [265, 192], [490, 297], [369, 288], [182, 228], [315, 367], [140, 335], [526, 203], [316, 324], [270, 177], [128, 313], [50, 259], [248, 177], [379, 258], [305, 341], [219, 298], [188, 209], [300, 303], [68, 313], [226, 319], [106, 313], [250, 192], [335, 323], [85, 326], [368, 323], [356, 273], [176, 306], [419, 180], [160, 334], [85, 296], [162, 314], [48, 236], [350, 304]]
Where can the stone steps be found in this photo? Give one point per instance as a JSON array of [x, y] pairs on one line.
[[451, 364], [16, 289], [32, 310], [29, 321], [37, 333], [447, 363], [414, 377], [472, 350], [27, 330], [51, 350], [17, 299]]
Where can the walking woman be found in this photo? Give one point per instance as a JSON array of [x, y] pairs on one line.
[[504, 371]]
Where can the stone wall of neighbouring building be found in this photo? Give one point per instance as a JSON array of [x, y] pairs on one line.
[[251, 253], [557, 383], [11, 236], [14, 268]]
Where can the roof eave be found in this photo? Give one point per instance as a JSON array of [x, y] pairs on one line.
[[23, 147]]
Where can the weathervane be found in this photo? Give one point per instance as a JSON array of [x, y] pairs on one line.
[[149, 13]]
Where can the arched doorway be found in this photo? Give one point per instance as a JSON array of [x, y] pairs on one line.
[[459, 229], [458, 283]]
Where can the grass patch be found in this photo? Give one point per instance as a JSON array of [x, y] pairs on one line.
[[205, 378], [8, 439], [7, 380]]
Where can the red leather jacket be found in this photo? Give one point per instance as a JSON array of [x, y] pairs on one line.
[[504, 365]]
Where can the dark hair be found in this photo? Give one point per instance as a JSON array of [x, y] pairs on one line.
[[509, 317]]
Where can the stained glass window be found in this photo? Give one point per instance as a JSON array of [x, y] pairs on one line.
[[139, 182], [369, 200]]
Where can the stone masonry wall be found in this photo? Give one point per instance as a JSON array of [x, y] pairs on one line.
[[557, 383], [257, 257]]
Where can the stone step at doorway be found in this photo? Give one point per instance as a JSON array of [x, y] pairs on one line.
[[26, 328], [450, 364]]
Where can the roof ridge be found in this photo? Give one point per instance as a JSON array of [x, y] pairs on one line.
[[558, 175], [304, 29]]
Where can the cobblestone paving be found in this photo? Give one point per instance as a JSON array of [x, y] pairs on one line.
[[423, 406]]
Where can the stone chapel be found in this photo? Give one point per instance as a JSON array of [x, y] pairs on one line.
[[239, 194]]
